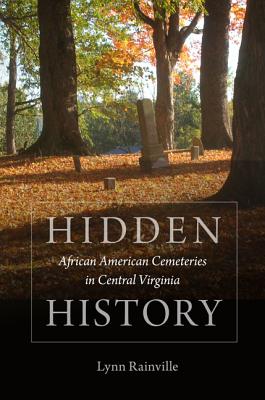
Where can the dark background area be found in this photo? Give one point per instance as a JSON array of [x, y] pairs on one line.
[[219, 363]]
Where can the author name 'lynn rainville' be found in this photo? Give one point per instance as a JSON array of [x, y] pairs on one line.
[[134, 366]]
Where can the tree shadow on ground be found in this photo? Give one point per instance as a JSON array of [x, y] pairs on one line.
[[18, 161], [50, 278], [120, 173]]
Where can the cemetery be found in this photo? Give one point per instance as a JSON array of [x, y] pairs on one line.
[[114, 112]]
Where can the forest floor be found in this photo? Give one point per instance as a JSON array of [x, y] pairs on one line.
[[51, 186]]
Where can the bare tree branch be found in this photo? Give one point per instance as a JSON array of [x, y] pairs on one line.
[[174, 21], [87, 109], [173, 30], [22, 103], [197, 31], [26, 16], [142, 15], [19, 110], [187, 30]]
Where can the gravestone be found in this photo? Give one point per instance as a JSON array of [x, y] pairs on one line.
[[109, 183], [195, 153], [39, 125], [153, 156], [77, 164], [197, 142]]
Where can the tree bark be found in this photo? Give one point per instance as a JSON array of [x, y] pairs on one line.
[[216, 127], [168, 39], [11, 96], [58, 79], [165, 101], [246, 182]]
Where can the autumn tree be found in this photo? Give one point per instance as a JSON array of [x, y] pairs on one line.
[[247, 176], [11, 99], [169, 36], [216, 127], [187, 110], [109, 56], [58, 81], [10, 39], [18, 43], [11, 18]]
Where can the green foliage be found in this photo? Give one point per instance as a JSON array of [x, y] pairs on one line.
[[187, 111], [171, 6], [20, 19], [107, 82], [25, 123], [113, 124], [19, 22], [104, 63]]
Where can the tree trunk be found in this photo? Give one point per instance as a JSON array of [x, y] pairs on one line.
[[216, 127], [58, 79], [246, 182], [165, 103], [11, 96], [168, 39], [165, 100]]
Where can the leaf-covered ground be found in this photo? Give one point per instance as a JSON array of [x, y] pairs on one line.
[[51, 185], [54, 179]]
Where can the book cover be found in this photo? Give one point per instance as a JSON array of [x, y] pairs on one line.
[[132, 183]]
